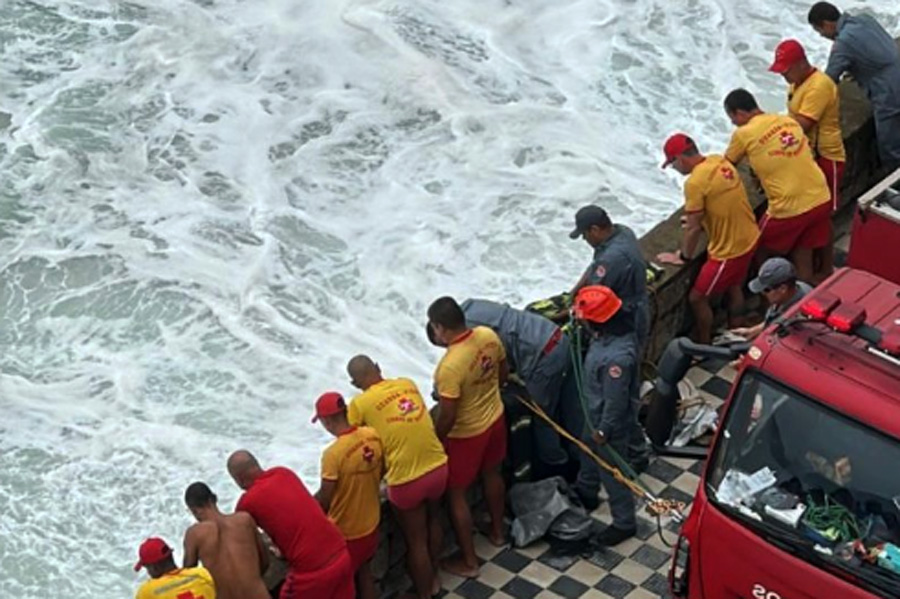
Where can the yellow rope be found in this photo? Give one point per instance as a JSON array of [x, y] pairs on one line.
[[655, 506]]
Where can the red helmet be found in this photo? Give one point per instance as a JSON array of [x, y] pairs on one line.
[[596, 303]]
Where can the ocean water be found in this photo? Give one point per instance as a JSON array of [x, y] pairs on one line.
[[208, 206]]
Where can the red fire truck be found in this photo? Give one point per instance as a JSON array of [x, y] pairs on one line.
[[800, 496]]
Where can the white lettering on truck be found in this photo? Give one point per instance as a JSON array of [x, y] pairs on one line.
[[761, 592]]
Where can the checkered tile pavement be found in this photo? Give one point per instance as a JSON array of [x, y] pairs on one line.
[[635, 569]]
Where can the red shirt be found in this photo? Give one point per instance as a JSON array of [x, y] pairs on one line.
[[281, 506]]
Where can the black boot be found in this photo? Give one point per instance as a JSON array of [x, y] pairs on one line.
[[590, 501], [611, 536]]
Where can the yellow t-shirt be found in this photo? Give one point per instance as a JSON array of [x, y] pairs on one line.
[[715, 188], [183, 583], [396, 410], [780, 156], [470, 373], [818, 98], [354, 461]]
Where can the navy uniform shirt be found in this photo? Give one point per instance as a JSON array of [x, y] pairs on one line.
[[524, 334], [609, 368], [865, 50], [619, 265]]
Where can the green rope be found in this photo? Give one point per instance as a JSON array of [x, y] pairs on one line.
[[576, 354]]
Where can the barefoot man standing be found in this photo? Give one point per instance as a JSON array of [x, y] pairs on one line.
[[229, 546], [470, 423], [415, 460]]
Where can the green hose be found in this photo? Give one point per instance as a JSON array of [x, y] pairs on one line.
[[831, 516]]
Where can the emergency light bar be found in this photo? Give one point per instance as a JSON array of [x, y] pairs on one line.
[[851, 318], [828, 308], [846, 317], [818, 308]]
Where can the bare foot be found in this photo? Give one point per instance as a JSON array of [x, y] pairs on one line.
[[497, 540], [436, 585], [457, 566]]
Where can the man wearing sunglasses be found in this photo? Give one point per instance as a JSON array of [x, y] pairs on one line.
[[777, 281]]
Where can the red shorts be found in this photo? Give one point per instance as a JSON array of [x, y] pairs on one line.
[[428, 487], [718, 276], [812, 229], [334, 581], [469, 457], [362, 549], [834, 174]]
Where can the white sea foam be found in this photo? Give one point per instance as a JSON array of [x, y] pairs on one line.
[[207, 207]]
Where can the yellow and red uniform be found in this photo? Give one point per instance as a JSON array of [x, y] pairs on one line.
[[715, 188], [817, 98], [469, 373], [798, 214], [396, 410], [355, 462], [181, 583]]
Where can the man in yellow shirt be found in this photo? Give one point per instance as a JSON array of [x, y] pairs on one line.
[[415, 461], [351, 478], [470, 423], [798, 217], [715, 201], [815, 102], [167, 581]]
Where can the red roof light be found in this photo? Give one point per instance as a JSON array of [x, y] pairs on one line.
[[846, 317], [890, 340], [820, 306]]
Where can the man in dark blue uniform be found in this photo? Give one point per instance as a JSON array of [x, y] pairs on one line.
[[538, 353], [619, 264], [869, 54], [610, 367]]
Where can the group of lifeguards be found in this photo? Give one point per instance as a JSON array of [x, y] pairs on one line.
[[386, 432], [798, 157]]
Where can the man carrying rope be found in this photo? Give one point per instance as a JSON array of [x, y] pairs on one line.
[[609, 367]]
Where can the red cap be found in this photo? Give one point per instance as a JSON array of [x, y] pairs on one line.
[[787, 54], [675, 146], [152, 551], [329, 404]]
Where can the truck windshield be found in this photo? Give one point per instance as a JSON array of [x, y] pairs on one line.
[[811, 481]]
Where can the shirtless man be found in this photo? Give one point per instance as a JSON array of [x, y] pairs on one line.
[[229, 546]]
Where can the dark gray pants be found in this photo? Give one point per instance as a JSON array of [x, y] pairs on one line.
[[887, 130], [638, 447], [591, 476]]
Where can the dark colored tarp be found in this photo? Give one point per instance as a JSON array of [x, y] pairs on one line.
[[547, 508]]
